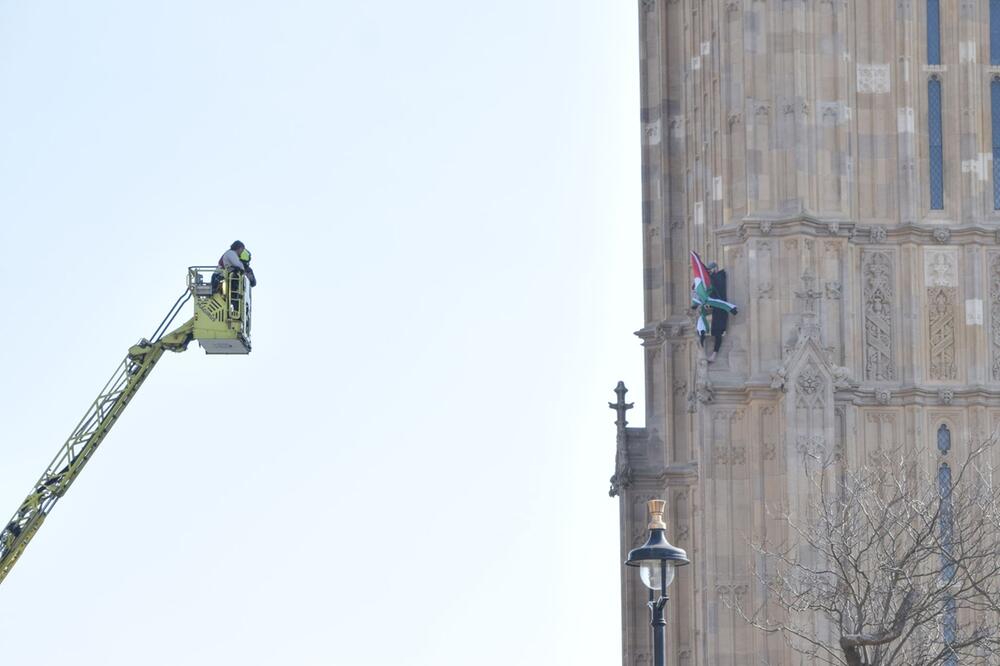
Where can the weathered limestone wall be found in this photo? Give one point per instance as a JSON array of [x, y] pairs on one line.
[[788, 140]]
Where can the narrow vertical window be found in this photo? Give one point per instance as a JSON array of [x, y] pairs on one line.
[[949, 618], [935, 143], [944, 439], [947, 517], [933, 32], [995, 32], [995, 117], [950, 630]]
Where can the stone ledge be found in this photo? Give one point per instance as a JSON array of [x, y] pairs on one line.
[[871, 396], [670, 475], [984, 233]]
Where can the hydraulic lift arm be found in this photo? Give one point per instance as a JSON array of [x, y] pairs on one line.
[[221, 317]]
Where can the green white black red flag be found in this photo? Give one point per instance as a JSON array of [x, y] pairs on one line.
[[701, 290]]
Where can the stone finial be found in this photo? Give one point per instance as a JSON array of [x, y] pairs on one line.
[[622, 478], [809, 295], [621, 407]]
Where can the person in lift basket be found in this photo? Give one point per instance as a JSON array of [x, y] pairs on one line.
[[235, 260]]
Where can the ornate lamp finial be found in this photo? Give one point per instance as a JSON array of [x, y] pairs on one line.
[[656, 508]]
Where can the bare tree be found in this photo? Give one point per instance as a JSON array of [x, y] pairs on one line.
[[893, 563]]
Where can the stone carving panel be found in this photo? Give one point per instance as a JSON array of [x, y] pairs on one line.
[[726, 447], [811, 385], [873, 79], [995, 316], [879, 298], [768, 434], [939, 268], [941, 321]]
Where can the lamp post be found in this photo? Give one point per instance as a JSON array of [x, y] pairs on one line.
[[656, 560]]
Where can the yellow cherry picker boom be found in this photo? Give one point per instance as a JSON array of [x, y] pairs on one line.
[[221, 325]]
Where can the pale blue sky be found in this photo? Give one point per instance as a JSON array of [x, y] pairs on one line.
[[443, 203]]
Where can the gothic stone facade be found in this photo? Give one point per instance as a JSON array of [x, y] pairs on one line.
[[838, 162]]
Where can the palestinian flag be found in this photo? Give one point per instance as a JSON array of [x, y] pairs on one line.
[[701, 290]]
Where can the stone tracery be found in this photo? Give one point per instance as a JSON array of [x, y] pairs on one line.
[[879, 364]]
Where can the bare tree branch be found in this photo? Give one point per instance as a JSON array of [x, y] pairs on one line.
[[887, 564]]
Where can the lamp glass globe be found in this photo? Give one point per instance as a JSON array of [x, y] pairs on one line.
[[649, 572]]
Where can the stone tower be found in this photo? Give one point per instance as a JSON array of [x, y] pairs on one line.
[[837, 158]]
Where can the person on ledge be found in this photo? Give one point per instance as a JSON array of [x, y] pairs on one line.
[[720, 316]]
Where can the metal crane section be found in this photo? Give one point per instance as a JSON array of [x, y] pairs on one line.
[[221, 324]]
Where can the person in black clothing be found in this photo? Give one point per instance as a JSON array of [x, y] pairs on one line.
[[720, 318]]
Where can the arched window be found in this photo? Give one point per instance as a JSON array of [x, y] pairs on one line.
[[995, 32], [947, 518], [944, 439], [949, 618], [933, 32], [949, 629], [995, 116], [935, 143]]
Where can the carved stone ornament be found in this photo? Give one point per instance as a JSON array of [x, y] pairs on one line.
[[995, 316], [878, 234], [809, 295], [728, 455], [813, 446], [941, 321], [942, 235], [779, 378], [769, 450], [703, 392], [939, 269], [833, 290], [873, 79], [731, 591], [681, 533], [841, 377], [833, 228], [765, 228], [946, 395], [883, 396], [879, 302], [810, 380]]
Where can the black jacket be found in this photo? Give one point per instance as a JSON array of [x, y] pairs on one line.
[[720, 318]]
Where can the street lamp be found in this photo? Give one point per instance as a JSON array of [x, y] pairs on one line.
[[656, 560]]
